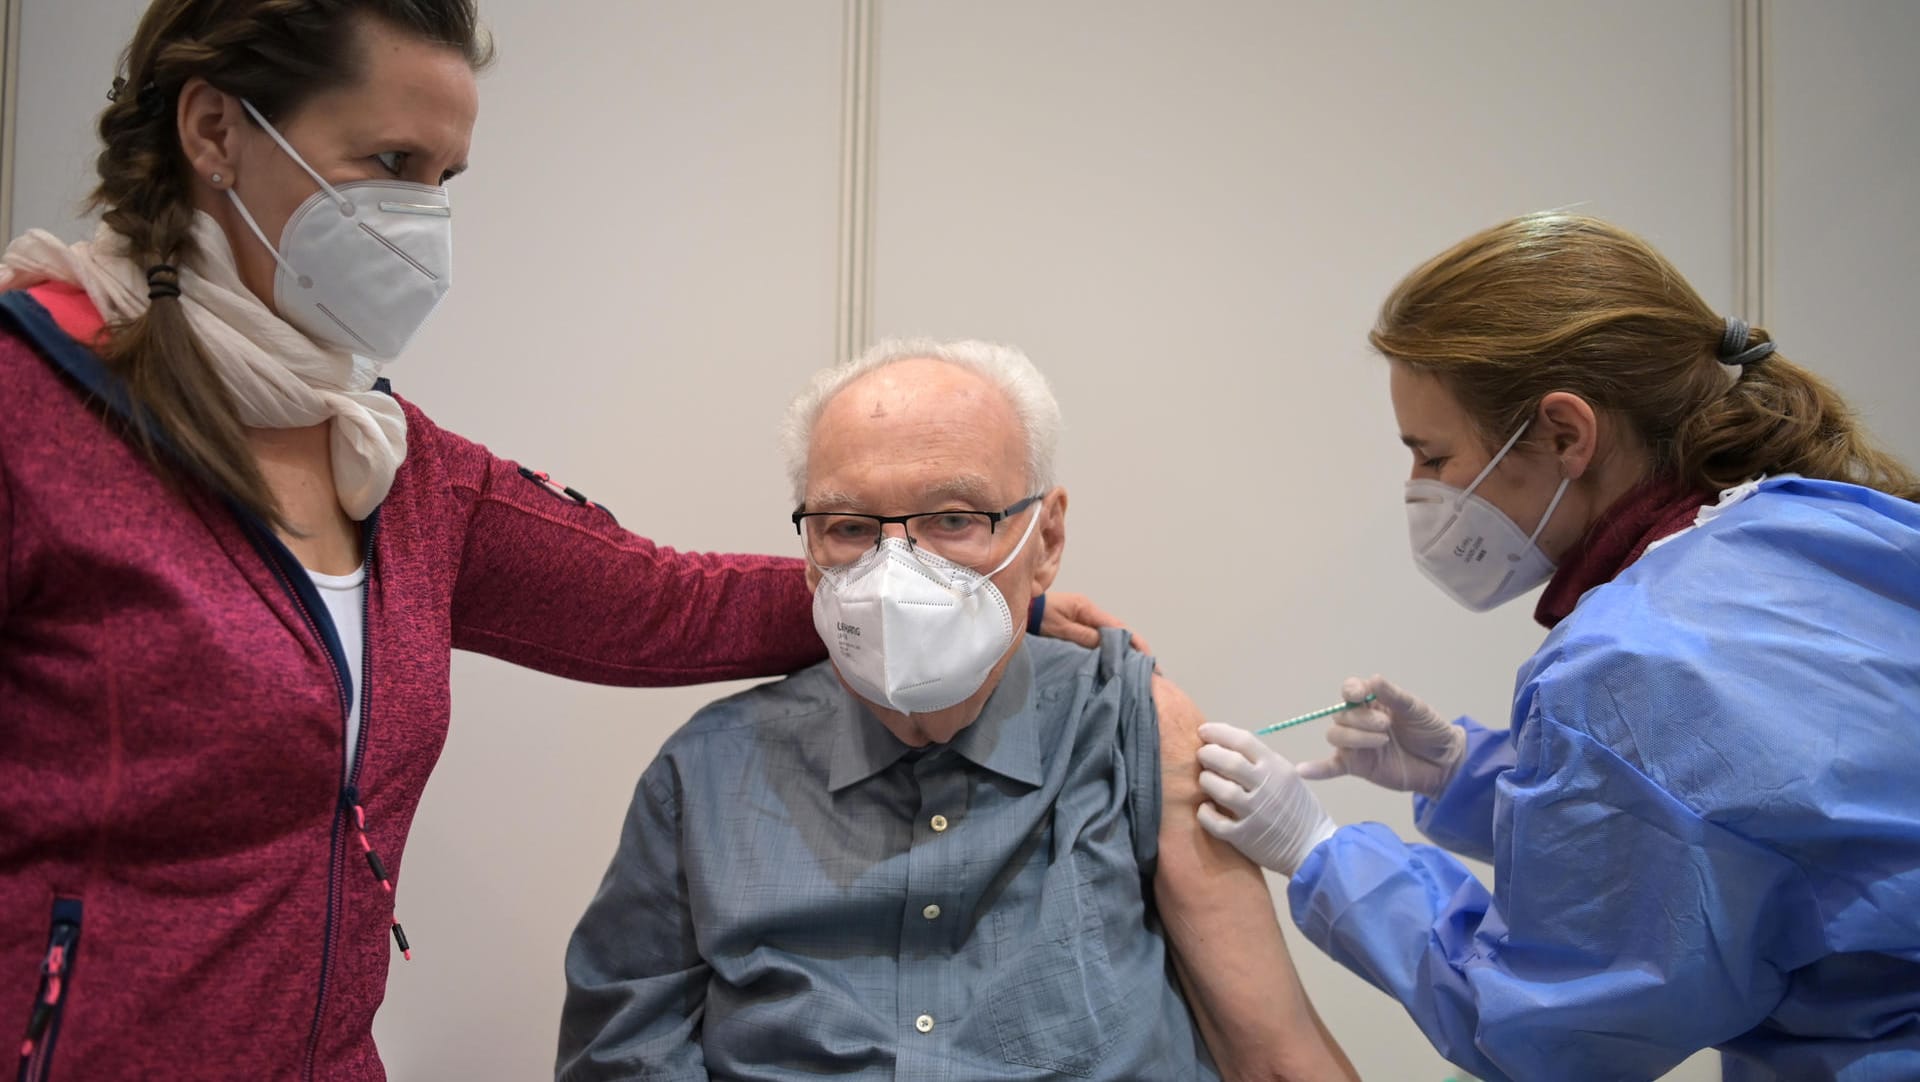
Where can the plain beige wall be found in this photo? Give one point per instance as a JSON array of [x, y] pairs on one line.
[[67, 53], [1846, 263], [1186, 214]]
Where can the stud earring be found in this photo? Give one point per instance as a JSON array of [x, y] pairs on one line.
[[215, 178]]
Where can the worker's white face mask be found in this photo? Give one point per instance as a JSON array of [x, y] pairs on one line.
[[1469, 548], [913, 631], [361, 266]]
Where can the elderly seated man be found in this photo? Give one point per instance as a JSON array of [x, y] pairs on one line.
[[951, 851]]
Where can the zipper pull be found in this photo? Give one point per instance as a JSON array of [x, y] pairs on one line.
[[558, 489], [366, 847], [53, 972], [377, 867]]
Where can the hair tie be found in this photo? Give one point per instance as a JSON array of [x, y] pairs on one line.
[[149, 100], [1734, 349], [162, 281]]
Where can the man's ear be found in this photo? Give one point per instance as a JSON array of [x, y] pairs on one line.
[[1051, 536]]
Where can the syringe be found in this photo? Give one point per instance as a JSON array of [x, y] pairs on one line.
[[1315, 715]]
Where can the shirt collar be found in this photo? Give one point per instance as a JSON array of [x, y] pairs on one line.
[[1002, 739], [862, 747], [1005, 738]]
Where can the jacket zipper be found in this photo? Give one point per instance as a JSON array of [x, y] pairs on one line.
[[333, 855], [50, 999], [350, 795], [278, 559]]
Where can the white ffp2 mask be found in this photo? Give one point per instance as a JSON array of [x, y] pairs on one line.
[[913, 631], [1468, 548], [363, 265]]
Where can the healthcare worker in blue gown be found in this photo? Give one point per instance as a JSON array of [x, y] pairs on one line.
[[1704, 816]]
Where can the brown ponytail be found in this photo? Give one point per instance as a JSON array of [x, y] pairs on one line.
[[1556, 302], [275, 53], [1781, 418]]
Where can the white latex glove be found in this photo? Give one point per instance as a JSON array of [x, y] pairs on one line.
[[1276, 820], [1396, 741]]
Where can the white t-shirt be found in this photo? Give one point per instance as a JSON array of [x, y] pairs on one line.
[[345, 596]]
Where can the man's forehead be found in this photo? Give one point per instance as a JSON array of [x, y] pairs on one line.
[[888, 411], [916, 431], [972, 489], [923, 385]]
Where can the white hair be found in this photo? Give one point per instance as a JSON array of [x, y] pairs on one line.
[[1003, 366]]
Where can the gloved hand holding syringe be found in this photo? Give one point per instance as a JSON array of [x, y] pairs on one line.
[[1313, 715], [1258, 800]]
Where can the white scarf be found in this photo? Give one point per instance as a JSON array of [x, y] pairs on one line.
[[279, 378]]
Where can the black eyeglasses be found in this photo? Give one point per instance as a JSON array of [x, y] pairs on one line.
[[838, 538]]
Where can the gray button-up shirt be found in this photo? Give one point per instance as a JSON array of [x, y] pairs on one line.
[[798, 894]]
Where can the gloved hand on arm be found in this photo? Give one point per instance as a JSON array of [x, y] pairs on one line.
[[1258, 802]]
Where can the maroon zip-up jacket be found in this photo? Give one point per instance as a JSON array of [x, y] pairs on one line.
[[183, 888]]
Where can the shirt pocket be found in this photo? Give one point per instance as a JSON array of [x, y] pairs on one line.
[[1058, 1005]]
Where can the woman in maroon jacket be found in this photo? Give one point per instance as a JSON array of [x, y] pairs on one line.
[[233, 566]]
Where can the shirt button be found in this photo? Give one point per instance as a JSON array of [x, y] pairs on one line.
[[939, 823], [931, 912], [924, 1023]]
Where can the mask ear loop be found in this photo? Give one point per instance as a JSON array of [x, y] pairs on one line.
[[346, 205], [962, 577], [1552, 505], [233, 195], [1548, 517], [1031, 523], [1495, 461]]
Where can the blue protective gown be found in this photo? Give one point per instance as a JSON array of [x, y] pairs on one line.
[[1704, 821]]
